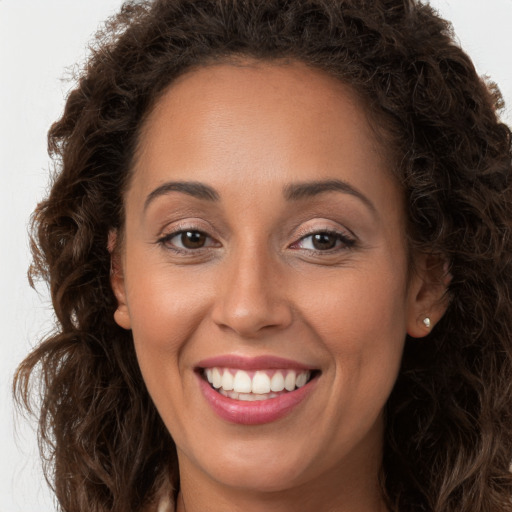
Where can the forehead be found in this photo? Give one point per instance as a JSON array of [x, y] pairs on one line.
[[254, 124], [240, 95]]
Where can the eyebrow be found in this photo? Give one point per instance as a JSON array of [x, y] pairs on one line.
[[191, 188], [298, 191], [292, 191]]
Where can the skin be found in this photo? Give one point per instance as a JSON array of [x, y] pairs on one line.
[[258, 287]]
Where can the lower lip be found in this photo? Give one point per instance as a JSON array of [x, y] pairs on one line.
[[257, 412]]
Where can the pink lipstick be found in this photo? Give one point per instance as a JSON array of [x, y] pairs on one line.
[[254, 391]]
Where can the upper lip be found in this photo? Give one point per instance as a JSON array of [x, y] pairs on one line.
[[253, 363]]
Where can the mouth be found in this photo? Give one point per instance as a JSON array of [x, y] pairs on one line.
[[256, 385], [255, 390]]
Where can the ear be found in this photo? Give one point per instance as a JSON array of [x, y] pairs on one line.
[[122, 314], [428, 294]]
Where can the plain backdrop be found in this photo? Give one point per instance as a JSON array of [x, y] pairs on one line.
[[40, 41]]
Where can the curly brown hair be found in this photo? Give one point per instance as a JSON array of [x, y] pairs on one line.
[[448, 433]]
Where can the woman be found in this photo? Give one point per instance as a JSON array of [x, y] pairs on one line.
[[278, 248]]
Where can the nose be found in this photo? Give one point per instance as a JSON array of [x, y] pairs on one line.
[[251, 298]]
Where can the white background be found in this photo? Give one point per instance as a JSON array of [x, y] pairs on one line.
[[39, 40]]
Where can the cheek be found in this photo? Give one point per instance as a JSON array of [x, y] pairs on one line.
[[165, 312], [360, 318], [165, 308], [353, 302], [159, 296]]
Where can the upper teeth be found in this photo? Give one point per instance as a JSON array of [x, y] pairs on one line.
[[261, 382]]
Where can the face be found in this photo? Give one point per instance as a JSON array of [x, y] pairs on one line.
[[264, 251]]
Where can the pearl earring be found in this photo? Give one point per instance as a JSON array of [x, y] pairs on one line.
[[426, 322]]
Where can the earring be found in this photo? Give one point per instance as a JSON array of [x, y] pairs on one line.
[[426, 322]]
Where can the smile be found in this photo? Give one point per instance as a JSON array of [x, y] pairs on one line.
[[254, 391], [250, 386]]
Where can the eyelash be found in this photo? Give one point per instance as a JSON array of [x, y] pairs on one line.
[[346, 241], [165, 240]]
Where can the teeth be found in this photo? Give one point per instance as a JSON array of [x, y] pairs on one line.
[[277, 382], [217, 378], [251, 397], [242, 382], [227, 381], [247, 397], [301, 380], [262, 385], [289, 381]]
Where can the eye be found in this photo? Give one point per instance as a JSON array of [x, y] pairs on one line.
[[188, 239], [324, 241]]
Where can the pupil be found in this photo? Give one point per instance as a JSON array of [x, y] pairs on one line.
[[193, 239], [324, 241]]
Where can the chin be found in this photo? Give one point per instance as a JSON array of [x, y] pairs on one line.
[[259, 467], [260, 477]]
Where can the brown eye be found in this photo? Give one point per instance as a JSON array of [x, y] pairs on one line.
[[192, 239], [324, 241], [188, 240]]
